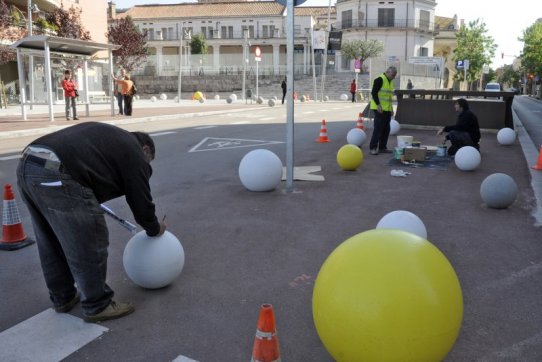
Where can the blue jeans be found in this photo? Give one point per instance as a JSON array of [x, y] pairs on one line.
[[120, 97], [71, 235]]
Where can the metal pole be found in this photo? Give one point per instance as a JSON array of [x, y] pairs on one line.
[[326, 35], [180, 64], [245, 35], [31, 57], [257, 94], [290, 92], [313, 65]]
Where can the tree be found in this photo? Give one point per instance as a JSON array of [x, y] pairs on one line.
[[473, 44], [198, 44], [133, 50], [362, 49], [510, 76], [531, 58], [10, 31], [67, 23]]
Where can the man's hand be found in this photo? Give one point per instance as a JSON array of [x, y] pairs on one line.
[[379, 108]]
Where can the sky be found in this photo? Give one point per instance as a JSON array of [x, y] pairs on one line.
[[505, 23]]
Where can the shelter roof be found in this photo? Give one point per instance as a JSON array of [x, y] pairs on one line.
[[63, 45]]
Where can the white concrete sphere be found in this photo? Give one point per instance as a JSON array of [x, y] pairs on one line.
[[229, 100], [467, 158], [499, 191], [233, 97], [403, 220], [260, 170], [176, 99], [303, 98], [136, 96], [202, 100], [326, 98], [153, 262], [271, 103], [356, 137], [506, 136], [344, 97], [153, 99], [163, 96], [395, 127], [275, 98], [217, 97], [259, 100]]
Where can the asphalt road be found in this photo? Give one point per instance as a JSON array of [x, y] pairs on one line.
[[245, 248]]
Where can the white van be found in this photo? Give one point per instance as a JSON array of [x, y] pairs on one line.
[[493, 87]]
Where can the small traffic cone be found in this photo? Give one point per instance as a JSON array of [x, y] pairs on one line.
[[360, 121], [266, 343], [538, 165], [323, 133], [13, 236]]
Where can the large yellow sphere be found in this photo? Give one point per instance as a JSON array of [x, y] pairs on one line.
[[349, 157], [387, 295]]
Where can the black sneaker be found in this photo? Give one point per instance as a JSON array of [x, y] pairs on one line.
[[112, 311], [65, 308], [75, 118]]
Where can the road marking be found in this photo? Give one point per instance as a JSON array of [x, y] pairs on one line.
[[515, 351], [5, 158], [184, 359], [214, 144], [204, 127], [304, 173], [240, 122], [162, 133], [47, 336], [267, 118], [513, 278]]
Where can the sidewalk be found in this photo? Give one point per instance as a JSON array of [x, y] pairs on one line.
[[12, 124]]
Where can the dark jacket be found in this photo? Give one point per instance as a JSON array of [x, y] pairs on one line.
[[111, 162], [466, 122]]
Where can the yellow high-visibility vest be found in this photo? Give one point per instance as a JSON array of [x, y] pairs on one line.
[[385, 94]]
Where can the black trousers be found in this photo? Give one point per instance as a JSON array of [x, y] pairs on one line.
[[128, 105], [458, 140], [381, 130]]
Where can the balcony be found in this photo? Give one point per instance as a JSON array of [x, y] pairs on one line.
[[397, 24]]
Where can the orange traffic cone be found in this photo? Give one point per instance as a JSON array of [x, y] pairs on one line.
[[266, 343], [538, 165], [323, 133], [13, 236], [360, 121]]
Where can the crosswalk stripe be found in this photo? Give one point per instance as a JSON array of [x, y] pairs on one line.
[[47, 336]]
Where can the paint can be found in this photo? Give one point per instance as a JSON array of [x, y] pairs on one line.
[[398, 152], [441, 150]]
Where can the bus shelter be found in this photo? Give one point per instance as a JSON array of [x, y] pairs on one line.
[[37, 57]]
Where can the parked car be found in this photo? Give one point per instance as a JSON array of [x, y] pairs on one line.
[[515, 90], [493, 87]]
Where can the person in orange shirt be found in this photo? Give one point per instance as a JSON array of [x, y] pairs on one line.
[[127, 92], [70, 94]]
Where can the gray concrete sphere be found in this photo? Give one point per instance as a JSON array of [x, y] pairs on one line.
[[498, 191]]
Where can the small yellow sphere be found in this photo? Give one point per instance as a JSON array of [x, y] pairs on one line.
[[349, 157], [197, 96], [387, 295]]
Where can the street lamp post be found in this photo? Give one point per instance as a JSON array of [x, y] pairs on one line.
[[180, 62], [245, 36], [31, 9]]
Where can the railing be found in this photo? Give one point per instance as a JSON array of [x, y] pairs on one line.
[[388, 23]]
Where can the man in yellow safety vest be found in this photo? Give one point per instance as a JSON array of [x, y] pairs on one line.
[[382, 107]]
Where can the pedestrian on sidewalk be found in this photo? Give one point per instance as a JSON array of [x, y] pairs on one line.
[[118, 91], [63, 178], [382, 107], [353, 90], [70, 94], [128, 91], [283, 86]]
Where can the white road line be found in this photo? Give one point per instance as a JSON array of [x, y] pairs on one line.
[[162, 133], [204, 127], [515, 351], [240, 122], [5, 158], [47, 336], [267, 118], [513, 278], [184, 359]]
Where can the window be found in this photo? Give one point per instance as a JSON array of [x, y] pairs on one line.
[[226, 32], [386, 17], [346, 19], [423, 52], [424, 19], [265, 31]]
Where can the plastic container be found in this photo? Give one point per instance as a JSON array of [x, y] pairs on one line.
[[404, 141]]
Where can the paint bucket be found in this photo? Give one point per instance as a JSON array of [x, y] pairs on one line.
[[404, 141], [416, 144], [398, 152], [441, 150]]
